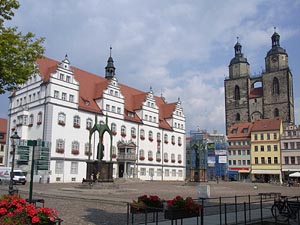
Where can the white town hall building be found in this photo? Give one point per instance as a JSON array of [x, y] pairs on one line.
[[61, 103]]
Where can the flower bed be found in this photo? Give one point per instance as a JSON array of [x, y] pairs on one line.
[[179, 208], [14, 210], [147, 204]]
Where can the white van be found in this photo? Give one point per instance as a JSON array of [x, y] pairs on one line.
[[19, 175]]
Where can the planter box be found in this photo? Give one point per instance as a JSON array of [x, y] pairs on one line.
[[175, 214], [135, 210]]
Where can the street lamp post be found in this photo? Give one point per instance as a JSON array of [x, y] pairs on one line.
[[14, 137]]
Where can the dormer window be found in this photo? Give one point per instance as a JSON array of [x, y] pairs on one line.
[[86, 102], [234, 131]]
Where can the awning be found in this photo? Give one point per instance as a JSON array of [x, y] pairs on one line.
[[244, 171], [265, 172]]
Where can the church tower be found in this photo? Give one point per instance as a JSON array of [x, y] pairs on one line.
[[264, 96], [278, 84], [237, 88]]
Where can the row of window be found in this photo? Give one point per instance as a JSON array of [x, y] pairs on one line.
[[269, 148], [262, 136], [113, 109], [64, 96], [158, 156], [60, 147], [239, 162], [292, 160], [59, 167], [27, 121], [238, 143], [266, 160], [239, 152], [142, 134], [291, 145], [66, 78], [167, 172], [31, 97]]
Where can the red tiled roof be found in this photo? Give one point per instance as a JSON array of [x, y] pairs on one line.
[[267, 124], [243, 131], [91, 87], [256, 92], [3, 128]]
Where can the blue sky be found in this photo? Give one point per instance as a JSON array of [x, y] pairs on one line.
[[179, 48]]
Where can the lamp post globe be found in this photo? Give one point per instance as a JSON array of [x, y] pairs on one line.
[[13, 138]]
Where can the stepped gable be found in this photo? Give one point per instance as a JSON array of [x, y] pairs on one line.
[[91, 87], [266, 124]]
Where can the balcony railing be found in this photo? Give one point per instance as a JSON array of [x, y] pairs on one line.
[[127, 156]]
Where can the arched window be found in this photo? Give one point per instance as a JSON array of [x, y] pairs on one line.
[[276, 112], [166, 138], [166, 157], [173, 140], [76, 122], [114, 128], [133, 132], [158, 137], [123, 131], [142, 134], [238, 117], [89, 123], [275, 86], [31, 120], [39, 118], [150, 134], [142, 154], [237, 93], [61, 119], [150, 155], [75, 148]]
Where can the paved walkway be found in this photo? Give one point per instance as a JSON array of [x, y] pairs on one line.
[[77, 204]]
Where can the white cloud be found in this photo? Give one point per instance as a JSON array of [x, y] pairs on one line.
[[180, 48]]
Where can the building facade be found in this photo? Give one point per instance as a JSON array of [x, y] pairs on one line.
[[3, 128], [60, 104], [268, 95], [266, 151], [290, 151], [239, 151], [206, 156]]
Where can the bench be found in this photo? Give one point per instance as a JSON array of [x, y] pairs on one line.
[[270, 195]]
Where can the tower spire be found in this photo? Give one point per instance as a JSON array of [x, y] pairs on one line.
[[110, 68]]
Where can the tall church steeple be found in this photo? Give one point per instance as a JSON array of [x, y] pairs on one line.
[[276, 58], [239, 65], [110, 68]]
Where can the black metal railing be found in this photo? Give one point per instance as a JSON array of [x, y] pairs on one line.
[[244, 209]]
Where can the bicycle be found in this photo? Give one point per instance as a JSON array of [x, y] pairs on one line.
[[283, 209]]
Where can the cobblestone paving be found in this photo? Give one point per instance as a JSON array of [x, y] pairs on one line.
[[106, 205]]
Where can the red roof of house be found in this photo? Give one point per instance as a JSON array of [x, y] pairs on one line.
[[239, 131], [3, 128], [256, 92], [91, 87], [267, 124]]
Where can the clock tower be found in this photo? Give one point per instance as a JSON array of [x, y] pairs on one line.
[[263, 96], [278, 84]]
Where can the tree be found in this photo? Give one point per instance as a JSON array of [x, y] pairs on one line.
[[18, 52]]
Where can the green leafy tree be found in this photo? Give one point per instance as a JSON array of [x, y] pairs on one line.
[[18, 52]]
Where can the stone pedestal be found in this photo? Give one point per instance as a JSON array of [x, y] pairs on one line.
[[101, 170]]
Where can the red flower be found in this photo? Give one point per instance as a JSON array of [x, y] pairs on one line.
[[3, 211], [35, 219]]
